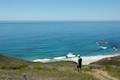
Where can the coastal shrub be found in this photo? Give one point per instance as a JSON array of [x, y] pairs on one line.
[[13, 67], [113, 71]]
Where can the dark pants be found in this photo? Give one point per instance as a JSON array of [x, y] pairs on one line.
[[79, 67]]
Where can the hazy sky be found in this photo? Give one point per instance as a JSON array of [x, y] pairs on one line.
[[75, 10]]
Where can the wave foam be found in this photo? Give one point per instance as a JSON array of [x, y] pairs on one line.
[[85, 59]]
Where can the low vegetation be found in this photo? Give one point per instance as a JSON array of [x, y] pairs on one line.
[[16, 69], [111, 65]]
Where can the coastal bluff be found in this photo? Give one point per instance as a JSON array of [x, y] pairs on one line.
[[17, 69]]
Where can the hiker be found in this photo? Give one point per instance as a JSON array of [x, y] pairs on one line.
[[79, 66]]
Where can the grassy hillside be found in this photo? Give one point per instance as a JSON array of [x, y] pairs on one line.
[[111, 65], [15, 69]]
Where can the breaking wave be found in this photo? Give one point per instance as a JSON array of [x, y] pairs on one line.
[[74, 58]]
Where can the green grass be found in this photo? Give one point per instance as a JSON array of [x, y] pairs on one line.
[[14, 69], [112, 66]]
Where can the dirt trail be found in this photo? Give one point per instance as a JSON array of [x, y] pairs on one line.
[[102, 75]]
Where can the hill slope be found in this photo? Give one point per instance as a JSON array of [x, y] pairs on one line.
[[15, 69], [111, 65]]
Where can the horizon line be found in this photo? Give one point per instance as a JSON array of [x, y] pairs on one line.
[[59, 20]]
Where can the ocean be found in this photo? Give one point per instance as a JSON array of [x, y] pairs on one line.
[[39, 40]]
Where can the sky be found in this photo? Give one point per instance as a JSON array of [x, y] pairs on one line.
[[60, 10]]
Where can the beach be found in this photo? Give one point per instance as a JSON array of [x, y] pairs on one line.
[[86, 60]]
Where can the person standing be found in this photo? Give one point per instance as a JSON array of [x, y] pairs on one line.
[[79, 66]]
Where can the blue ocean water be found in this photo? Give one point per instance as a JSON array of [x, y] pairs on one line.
[[33, 40]]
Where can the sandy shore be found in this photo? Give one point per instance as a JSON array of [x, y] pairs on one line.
[[85, 59]]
